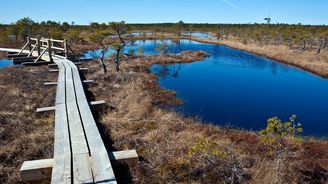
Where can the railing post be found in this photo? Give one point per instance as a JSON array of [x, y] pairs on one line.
[[38, 46], [65, 48], [52, 45], [50, 50], [29, 43]]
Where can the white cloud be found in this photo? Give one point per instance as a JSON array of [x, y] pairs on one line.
[[228, 2]]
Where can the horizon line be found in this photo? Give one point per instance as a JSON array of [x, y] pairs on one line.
[[210, 23]]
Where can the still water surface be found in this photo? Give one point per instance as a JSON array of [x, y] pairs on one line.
[[5, 63], [243, 90], [239, 89]]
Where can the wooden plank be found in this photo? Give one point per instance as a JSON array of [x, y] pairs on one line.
[[50, 83], [88, 81], [13, 50], [36, 170], [95, 105], [84, 60], [40, 169], [57, 70], [45, 109], [36, 63], [101, 165], [55, 83], [83, 69], [78, 63], [16, 55], [23, 59], [128, 156], [82, 168], [41, 55], [61, 172], [123, 155], [58, 48], [81, 164], [99, 102], [54, 66], [59, 41]]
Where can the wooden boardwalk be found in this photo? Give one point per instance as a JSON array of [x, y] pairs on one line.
[[77, 138], [80, 155]]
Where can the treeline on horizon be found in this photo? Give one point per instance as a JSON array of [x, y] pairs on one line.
[[297, 36]]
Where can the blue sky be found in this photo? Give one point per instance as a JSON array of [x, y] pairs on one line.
[[149, 11]]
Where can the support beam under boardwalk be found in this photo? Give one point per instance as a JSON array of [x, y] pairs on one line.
[[85, 82], [41, 169], [94, 106], [36, 63], [80, 69]]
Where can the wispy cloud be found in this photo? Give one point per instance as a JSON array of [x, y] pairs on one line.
[[228, 2]]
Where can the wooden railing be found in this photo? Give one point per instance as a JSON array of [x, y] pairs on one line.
[[39, 46]]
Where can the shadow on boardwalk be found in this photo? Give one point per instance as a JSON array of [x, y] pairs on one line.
[[121, 169]]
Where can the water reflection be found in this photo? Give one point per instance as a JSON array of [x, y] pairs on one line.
[[200, 35], [219, 55], [164, 71], [239, 89]]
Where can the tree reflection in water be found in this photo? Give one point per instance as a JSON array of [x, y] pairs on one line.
[[164, 71]]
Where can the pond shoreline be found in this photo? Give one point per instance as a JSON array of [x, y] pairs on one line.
[[308, 61], [135, 119], [314, 63], [280, 56], [169, 133]]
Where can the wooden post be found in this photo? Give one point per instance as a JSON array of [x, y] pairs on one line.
[[38, 46], [50, 50], [65, 47], [29, 43], [52, 45]]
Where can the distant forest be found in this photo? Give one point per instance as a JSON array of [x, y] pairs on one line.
[[301, 37]]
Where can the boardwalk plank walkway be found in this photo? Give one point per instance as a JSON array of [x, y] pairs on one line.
[[90, 159], [62, 149], [80, 155]]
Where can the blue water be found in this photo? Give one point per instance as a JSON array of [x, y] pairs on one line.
[[5, 63], [201, 35], [141, 34], [239, 89], [149, 47]]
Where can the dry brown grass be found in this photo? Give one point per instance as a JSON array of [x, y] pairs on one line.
[[164, 139], [143, 63], [172, 149], [24, 135], [16, 44]]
